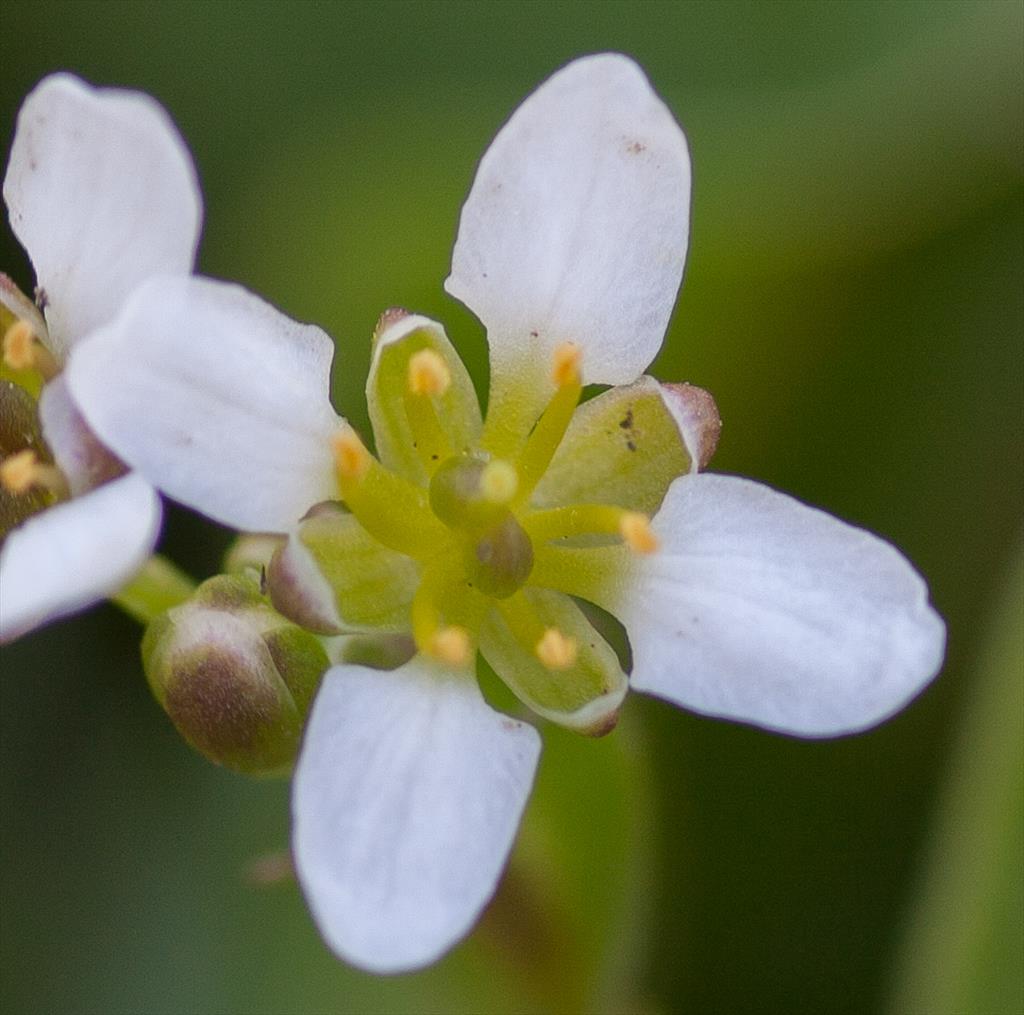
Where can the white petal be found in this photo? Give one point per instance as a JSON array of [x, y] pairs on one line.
[[406, 799], [102, 193], [70, 556], [577, 224], [761, 609], [85, 462], [216, 397]]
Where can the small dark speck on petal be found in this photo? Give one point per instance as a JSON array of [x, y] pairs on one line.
[[631, 445]]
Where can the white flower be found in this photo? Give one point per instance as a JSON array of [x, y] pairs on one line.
[[101, 192], [738, 601]]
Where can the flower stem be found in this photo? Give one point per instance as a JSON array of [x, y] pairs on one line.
[[156, 588]]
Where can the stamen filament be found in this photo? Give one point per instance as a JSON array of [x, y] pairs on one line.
[[543, 442], [555, 649], [23, 351], [23, 471], [429, 437], [393, 510], [448, 643], [633, 527]]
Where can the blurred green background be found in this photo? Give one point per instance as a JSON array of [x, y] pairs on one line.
[[853, 299]]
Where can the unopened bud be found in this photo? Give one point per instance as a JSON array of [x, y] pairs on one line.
[[235, 677]]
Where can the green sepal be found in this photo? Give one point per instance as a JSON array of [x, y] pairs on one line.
[[235, 677], [623, 447], [399, 338], [333, 577], [584, 697]]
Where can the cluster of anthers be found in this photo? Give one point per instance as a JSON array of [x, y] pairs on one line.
[[23, 470], [472, 530]]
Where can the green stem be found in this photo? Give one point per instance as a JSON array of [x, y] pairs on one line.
[[156, 588]]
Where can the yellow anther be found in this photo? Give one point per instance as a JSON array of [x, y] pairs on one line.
[[636, 531], [556, 650], [428, 373], [565, 365], [22, 351], [18, 473], [451, 645], [18, 342], [499, 482], [23, 471], [351, 458]]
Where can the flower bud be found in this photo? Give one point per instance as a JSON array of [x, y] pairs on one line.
[[235, 676]]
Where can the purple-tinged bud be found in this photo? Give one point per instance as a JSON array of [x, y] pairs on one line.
[[235, 677]]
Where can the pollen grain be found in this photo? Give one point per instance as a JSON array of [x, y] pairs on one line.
[[635, 528], [451, 645], [351, 458], [428, 373], [565, 364], [556, 650], [23, 471]]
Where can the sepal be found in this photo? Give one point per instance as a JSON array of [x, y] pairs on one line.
[[584, 691], [627, 445], [333, 577], [398, 338]]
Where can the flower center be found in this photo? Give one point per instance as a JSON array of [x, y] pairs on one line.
[[476, 539]]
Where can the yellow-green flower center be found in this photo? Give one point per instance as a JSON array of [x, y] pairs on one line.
[[471, 528]]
